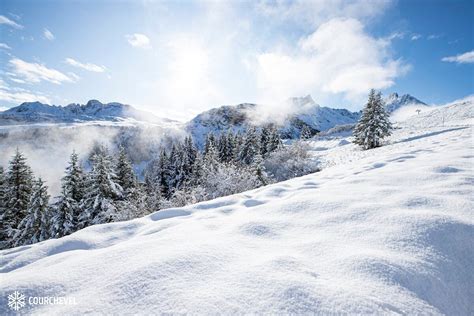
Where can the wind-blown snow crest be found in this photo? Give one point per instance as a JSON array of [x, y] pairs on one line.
[[384, 231]]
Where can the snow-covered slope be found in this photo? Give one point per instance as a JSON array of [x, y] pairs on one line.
[[305, 112], [402, 107], [384, 231], [36, 112], [459, 112]]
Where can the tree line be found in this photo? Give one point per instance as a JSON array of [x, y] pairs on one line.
[[110, 191]]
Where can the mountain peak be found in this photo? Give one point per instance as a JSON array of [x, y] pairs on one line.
[[94, 103], [394, 101]]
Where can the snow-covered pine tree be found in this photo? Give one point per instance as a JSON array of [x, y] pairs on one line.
[[102, 193], [198, 171], [162, 177], [264, 138], [238, 141], [123, 169], [133, 204], [274, 141], [306, 132], [228, 154], [18, 193], [35, 226], [211, 159], [222, 146], [66, 209], [190, 154], [374, 124], [210, 140], [258, 169], [250, 147], [3, 208], [177, 164]]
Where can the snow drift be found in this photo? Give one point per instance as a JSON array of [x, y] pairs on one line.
[[385, 231]]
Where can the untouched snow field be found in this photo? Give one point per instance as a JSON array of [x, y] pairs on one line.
[[384, 231]]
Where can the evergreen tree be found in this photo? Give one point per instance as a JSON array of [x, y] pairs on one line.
[[102, 193], [3, 209], [374, 124], [306, 132], [228, 154], [274, 140], [250, 147], [18, 194], [258, 169], [264, 139], [238, 141], [35, 226], [66, 209], [210, 141], [163, 174], [125, 175], [177, 167], [211, 159], [190, 155], [222, 146]]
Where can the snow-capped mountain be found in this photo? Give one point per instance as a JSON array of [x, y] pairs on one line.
[[304, 112], [403, 107], [36, 112], [394, 102]]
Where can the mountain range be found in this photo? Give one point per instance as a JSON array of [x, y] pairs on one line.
[[304, 112], [37, 112]]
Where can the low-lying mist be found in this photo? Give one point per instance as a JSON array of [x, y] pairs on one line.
[[48, 147]]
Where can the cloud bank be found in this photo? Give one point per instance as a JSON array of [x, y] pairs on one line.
[[466, 58], [7, 21], [339, 57], [34, 72], [85, 66]]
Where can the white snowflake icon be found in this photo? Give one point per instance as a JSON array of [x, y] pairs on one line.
[[16, 300]]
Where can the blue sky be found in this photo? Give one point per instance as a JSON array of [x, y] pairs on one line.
[[179, 58]]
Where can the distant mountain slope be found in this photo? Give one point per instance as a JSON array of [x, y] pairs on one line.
[[402, 107], [239, 117], [459, 112], [394, 102], [36, 112]]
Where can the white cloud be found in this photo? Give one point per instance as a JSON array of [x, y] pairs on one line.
[[7, 21], [466, 58], [48, 35], [415, 37], [350, 63], [34, 72], [138, 40], [18, 95], [85, 66], [4, 46]]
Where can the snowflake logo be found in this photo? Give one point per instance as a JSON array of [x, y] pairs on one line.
[[16, 300]]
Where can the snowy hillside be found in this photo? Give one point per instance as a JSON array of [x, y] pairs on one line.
[[384, 231], [36, 112], [305, 112]]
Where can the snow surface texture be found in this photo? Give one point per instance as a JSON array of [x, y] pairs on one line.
[[384, 231]]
